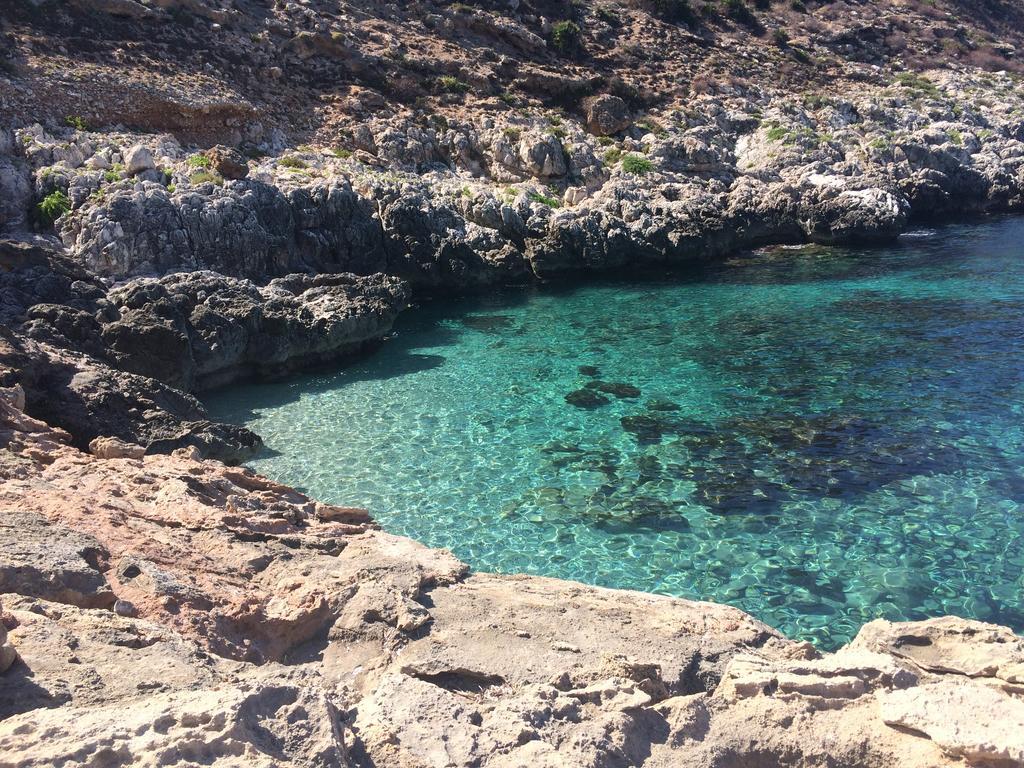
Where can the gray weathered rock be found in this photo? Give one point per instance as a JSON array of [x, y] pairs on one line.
[[138, 159]]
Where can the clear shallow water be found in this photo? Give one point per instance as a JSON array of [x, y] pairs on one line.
[[821, 437]]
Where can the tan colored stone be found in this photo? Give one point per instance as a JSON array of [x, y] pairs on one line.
[[114, 448], [966, 719], [949, 644]]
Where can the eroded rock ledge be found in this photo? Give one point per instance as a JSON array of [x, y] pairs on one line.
[[169, 610]]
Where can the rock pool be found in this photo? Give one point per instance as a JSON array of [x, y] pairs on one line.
[[817, 436]]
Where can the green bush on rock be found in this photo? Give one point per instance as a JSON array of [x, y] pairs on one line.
[[567, 36], [637, 164], [52, 207]]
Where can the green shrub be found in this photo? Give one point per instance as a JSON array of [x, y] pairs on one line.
[[344, 154], [776, 133], [198, 161], [77, 122], [801, 55], [452, 84], [816, 101], [739, 11], [637, 164], [613, 155], [290, 161], [114, 173], [567, 36], [52, 207], [205, 177], [550, 202], [512, 134], [781, 38], [607, 14], [916, 82]]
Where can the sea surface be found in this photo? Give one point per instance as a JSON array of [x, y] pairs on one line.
[[819, 436]]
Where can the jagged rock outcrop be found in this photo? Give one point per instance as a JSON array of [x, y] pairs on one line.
[[482, 202], [200, 329], [119, 363], [90, 399]]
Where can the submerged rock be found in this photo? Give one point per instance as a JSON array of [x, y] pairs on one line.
[[586, 398], [663, 406], [616, 388], [644, 427], [487, 323]]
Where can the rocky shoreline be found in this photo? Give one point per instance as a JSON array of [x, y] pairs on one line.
[[245, 191], [168, 610], [194, 268]]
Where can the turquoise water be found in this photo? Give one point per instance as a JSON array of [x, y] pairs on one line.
[[817, 436]]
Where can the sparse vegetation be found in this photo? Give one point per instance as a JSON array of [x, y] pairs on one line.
[[206, 177], [918, 84], [775, 133], [637, 164], [673, 10], [290, 161], [452, 84], [114, 173], [740, 12], [567, 36], [339, 152], [550, 202], [77, 122], [612, 156], [52, 207], [198, 161]]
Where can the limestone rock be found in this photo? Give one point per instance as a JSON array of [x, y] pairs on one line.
[[966, 719], [49, 560], [7, 653], [138, 159], [227, 162], [606, 114], [949, 645], [201, 329], [112, 448]]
